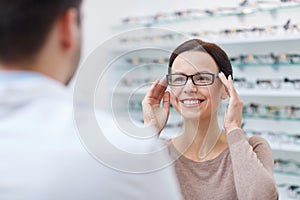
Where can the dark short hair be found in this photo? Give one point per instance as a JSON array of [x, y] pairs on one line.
[[25, 25], [218, 54]]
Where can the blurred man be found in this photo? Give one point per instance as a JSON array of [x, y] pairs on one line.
[[41, 156]]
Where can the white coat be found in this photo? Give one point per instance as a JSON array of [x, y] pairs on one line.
[[42, 158]]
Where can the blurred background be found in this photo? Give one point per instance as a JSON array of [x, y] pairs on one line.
[[262, 39]]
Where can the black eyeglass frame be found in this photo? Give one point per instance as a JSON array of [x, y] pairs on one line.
[[214, 76]]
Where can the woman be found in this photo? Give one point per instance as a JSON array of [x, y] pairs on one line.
[[212, 164]]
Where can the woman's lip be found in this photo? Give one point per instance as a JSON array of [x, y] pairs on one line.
[[191, 102], [191, 99]]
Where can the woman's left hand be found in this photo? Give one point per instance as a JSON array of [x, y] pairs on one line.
[[233, 115]]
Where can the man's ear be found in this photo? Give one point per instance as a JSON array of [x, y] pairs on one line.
[[69, 28]]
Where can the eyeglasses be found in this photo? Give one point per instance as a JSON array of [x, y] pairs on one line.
[[276, 137], [164, 37], [268, 111], [243, 8], [276, 83], [271, 58], [143, 60], [199, 79], [292, 191], [242, 83], [295, 82], [267, 83], [287, 28], [287, 166]]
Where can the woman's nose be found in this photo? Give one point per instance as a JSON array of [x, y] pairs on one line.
[[190, 87]]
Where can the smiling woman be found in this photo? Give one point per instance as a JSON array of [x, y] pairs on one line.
[[210, 163], [193, 99]]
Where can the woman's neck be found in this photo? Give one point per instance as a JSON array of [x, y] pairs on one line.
[[201, 137]]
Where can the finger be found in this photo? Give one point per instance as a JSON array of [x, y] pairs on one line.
[[163, 82], [154, 84], [160, 88], [166, 102], [150, 91], [232, 90], [156, 92], [224, 81]]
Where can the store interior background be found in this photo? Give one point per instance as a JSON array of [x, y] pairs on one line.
[[102, 21], [100, 16]]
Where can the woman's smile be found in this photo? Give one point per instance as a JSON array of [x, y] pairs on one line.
[[191, 102]]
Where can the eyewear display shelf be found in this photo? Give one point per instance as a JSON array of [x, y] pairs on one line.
[[277, 115], [241, 10]]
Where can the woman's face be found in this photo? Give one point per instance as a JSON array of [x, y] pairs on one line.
[[191, 101]]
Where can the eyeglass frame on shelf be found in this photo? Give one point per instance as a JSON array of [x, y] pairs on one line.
[[169, 82]]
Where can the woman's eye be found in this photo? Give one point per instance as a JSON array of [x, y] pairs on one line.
[[179, 79], [202, 78]]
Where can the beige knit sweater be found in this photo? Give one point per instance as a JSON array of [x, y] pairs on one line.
[[243, 171]]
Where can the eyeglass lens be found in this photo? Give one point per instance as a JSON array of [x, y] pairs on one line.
[[200, 79]]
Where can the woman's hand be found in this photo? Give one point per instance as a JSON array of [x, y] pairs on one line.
[[233, 115], [154, 114]]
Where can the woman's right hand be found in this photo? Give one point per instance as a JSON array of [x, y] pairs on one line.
[[154, 114]]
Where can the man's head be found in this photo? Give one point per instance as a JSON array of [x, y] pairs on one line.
[[33, 31]]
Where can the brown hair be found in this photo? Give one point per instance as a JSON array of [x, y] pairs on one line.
[[218, 54]]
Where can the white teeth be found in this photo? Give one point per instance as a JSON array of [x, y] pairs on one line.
[[191, 102]]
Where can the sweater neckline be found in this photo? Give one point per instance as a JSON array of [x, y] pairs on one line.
[[174, 152]]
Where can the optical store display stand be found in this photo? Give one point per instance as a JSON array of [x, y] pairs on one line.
[[272, 111], [266, 71]]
